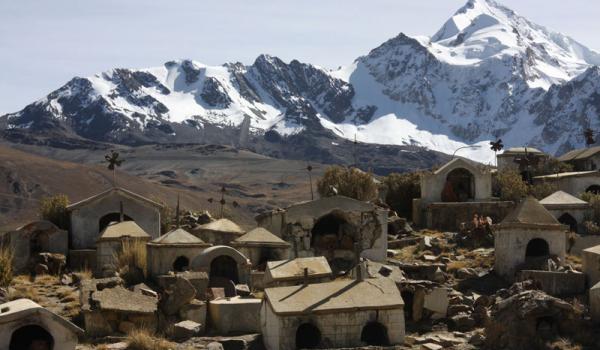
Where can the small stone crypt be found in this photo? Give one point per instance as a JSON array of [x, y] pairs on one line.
[[527, 238]]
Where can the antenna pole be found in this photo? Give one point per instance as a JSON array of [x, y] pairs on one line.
[[177, 214]]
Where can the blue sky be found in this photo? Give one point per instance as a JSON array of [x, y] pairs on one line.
[[45, 43]]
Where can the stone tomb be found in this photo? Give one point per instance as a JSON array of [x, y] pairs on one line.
[[173, 251], [526, 238], [235, 315], [108, 308], [567, 209], [337, 314], [37, 237], [261, 246], [26, 325], [218, 232], [338, 228]]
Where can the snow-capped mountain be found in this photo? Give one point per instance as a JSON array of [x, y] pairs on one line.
[[487, 73]]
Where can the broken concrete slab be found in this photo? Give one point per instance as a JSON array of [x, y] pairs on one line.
[[437, 301], [182, 292]]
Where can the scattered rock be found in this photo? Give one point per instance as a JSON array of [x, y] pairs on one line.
[[214, 346], [186, 329]]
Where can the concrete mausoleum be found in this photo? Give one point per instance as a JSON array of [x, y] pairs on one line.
[[583, 159], [454, 193], [218, 232], [338, 227], [26, 325], [526, 237], [509, 159], [34, 238], [567, 209], [297, 271], [337, 314], [91, 216], [173, 251], [261, 246]]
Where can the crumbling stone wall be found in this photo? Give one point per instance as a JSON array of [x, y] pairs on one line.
[[449, 216], [360, 223], [33, 238]]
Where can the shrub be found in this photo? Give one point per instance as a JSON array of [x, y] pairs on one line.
[[131, 255], [143, 339], [552, 166], [509, 186], [543, 189], [349, 182], [401, 189], [54, 209], [6, 271]]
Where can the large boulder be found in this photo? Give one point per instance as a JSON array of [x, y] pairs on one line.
[[182, 292], [528, 319]]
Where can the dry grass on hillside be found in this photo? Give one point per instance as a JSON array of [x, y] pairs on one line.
[[6, 272], [142, 339]]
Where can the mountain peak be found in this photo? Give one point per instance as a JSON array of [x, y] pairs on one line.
[[485, 29]]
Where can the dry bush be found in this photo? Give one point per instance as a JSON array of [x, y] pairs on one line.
[[543, 189], [54, 209], [143, 339], [349, 182], [6, 270], [85, 273], [594, 201], [510, 186], [401, 189], [131, 255], [24, 291], [454, 266]]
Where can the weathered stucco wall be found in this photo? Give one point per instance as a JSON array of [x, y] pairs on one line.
[[235, 315], [338, 329], [591, 266], [574, 185], [557, 283], [510, 245], [85, 219]]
